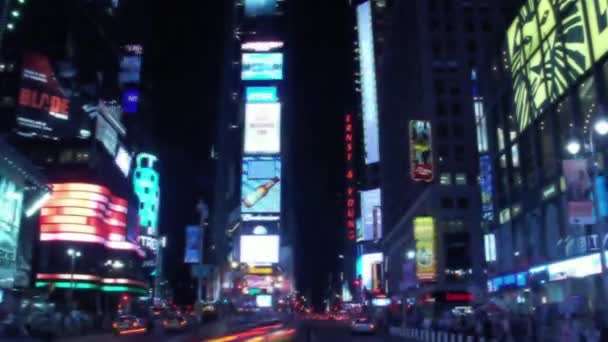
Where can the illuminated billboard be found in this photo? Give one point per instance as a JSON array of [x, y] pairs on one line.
[[261, 94], [486, 183], [194, 245], [371, 214], [130, 69], [259, 227], [87, 213], [44, 107], [123, 160], [262, 66], [259, 249], [367, 64], [369, 264], [263, 128], [550, 45], [11, 210], [147, 188], [421, 151], [261, 185], [426, 260], [256, 8]]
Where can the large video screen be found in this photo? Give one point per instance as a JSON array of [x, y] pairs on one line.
[[262, 66], [256, 8], [261, 185], [262, 128], [44, 107], [371, 213], [369, 97], [259, 249], [11, 202], [368, 265], [261, 94]]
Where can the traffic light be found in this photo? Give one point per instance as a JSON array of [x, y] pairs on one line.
[[125, 297]]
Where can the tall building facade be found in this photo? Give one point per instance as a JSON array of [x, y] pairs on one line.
[[431, 234], [70, 105], [543, 182], [247, 218]]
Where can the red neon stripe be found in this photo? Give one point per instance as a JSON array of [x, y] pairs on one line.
[[71, 228], [68, 219], [70, 211], [81, 187], [123, 282], [77, 237], [51, 276], [81, 195], [76, 203], [119, 201]]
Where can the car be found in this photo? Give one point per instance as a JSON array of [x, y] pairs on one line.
[[363, 326], [175, 323], [128, 324]]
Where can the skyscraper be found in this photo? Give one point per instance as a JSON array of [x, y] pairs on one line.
[[428, 175]]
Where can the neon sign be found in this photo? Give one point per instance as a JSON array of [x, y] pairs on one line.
[[351, 220], [147, 189]]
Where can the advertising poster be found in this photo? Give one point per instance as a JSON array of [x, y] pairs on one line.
[[421, 153], [367, 65], [43, 105], [263, 128], [578, 191], [256, 8], [261, 185], [130, 69], [11, 201], [262, 67], [194, 242], [130, 100], [424, 233], [487, 187], [259, 249], [369, 268], [371, 214]]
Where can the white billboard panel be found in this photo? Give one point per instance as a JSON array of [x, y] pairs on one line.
[[263, 128], [259, 249], [371, 213], [369, 96]]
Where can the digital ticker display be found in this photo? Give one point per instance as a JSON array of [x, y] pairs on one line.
[[262, 66], [261, 185]]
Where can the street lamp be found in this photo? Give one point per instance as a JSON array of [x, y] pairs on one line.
[[411, 254], [73, 254]]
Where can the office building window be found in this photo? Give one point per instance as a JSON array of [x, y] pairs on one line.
[[500, 138], [456, 109], [441, 108], [458, 130], [442, 131], [82, 156], [463, 203], [461, 179], [515, 155], [459, 153], [445, 179], [447, 203], [503, 161], [444, 152]]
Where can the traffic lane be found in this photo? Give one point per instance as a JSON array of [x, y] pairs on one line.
[[192, 333], [331, 332]]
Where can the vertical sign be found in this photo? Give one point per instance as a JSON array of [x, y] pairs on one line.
[[424, 233], [487, 187], [351, 192], [194, 240], [421, 153], [578, 190]]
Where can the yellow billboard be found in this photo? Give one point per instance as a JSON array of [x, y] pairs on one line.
[[426, 261], [597, 15]]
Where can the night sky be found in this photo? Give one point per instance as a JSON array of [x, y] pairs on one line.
[[181, 83]]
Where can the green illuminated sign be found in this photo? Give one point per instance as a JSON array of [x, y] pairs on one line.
[[11, 209], [90, 286], [145, 182]]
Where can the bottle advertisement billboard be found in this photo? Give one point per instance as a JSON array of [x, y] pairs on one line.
[[261, 185]]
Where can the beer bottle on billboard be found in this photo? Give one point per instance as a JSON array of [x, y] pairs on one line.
[[260, 192]]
